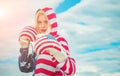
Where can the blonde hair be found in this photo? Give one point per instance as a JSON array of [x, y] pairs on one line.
[[39, 13]]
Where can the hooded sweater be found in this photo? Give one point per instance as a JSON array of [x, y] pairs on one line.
[[47, 65]]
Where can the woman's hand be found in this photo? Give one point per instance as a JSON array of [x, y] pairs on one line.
[[24, 42], [60, 56]]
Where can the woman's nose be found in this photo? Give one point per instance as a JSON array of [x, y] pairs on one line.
[[42, 24]]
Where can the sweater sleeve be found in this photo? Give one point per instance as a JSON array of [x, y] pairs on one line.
[[28, 32], [68, 66]]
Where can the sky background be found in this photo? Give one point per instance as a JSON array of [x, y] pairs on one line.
[[91, 27]]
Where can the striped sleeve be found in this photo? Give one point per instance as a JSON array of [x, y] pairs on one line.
[[44, 66], [63, 43], [68, 66], [43, 43], [29, 32]]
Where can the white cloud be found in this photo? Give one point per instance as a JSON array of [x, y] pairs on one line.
[[44, 3], [100, 63], [86, 27], [20, 13], [110, 74], [34, 5], [91, 23], [87, 68]]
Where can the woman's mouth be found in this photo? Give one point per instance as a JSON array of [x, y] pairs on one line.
[[43, 30]]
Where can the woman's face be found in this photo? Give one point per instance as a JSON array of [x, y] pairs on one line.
[[43, 26]]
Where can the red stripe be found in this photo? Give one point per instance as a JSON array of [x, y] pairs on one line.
[[57, 36], [41, 44], [74, 67], [65, 47], [33, 29], [53, 33], [38, 40], [56, 62], [58, 73], [54, 25], [47, 46], [46, 9], [64, 66], [62, 39], [45, 61], [73, 64], [51, 16], [42, 70], [45, 42], [71, 68], [72, 60], [27, 36], [50, 46], [30, 33]]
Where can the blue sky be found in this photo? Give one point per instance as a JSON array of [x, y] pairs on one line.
[[90, 26], [64, 6]]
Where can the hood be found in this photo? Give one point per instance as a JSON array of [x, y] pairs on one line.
[[51, 18]]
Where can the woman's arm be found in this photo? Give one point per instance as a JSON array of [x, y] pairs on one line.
[[68, 66]]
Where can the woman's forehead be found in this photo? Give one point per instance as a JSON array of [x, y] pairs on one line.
[[42, 17], [40, 12]]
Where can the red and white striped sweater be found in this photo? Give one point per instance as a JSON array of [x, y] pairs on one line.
[[46, 64]]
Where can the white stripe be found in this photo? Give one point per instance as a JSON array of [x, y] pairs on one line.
[[41, 36], [48, 57], [59, 37], [53, 43], [41, 74], [50, 49], [39, 39], [68, 66], [53, 20], [47, 67], [30, 28], [72, 61], [54, 29], [29, 31], [49, 12], [64, 50], [61, 64], [39, 49], [28, 34], [47, 40], [73, 68], [64, 43]]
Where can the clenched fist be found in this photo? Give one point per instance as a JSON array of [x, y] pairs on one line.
[[24, 42]]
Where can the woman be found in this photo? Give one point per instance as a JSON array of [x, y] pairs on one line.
[[49, 62]]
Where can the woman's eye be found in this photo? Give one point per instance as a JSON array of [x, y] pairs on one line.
[[39, 22], [45, 21]]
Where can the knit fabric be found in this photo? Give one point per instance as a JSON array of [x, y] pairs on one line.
[[46, 64], [29, 32], [43, 43]]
